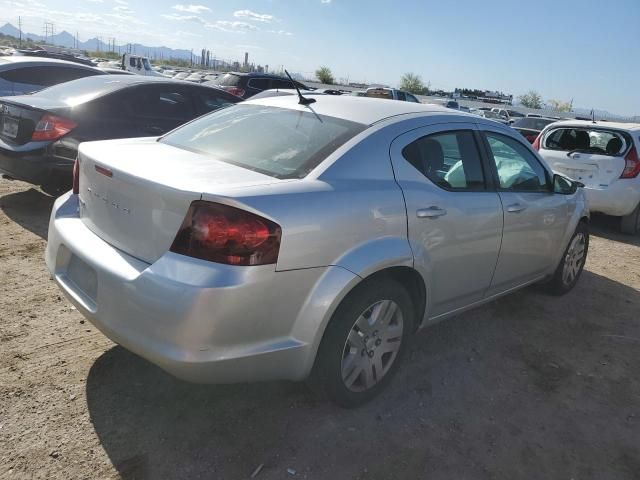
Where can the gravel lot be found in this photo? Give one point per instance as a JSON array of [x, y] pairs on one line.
[[529, 386]]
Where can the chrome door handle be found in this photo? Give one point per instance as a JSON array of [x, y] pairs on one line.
[[516, 207], [431, 212]]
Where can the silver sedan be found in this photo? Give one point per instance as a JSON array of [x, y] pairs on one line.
[[278, 239]]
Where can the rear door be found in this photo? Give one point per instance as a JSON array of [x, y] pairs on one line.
[[454, 216], [593, 156], [534, 217]]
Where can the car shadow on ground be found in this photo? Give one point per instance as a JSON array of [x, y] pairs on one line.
[[528, 386], [608, 227], [30, 209]]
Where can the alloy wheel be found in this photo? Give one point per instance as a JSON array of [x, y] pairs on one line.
[[573, 259], [372, 345]]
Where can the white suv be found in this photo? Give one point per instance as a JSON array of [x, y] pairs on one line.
[[604, 157]]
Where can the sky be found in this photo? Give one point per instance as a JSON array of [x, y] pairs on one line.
[[585, 50]]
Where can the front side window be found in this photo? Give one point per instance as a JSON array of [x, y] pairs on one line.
[[411, 98], [450, 160], [278, 142], [401, 96], [595, 141], [518, 169]]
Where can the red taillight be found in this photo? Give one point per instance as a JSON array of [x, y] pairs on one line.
[[631, 164], [51, 127], [223, 234], [237, 91], [536, 142], [76, 177]]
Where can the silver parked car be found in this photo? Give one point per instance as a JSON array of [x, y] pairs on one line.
[[277, 240]]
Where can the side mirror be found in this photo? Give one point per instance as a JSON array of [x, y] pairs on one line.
[[565, 186]]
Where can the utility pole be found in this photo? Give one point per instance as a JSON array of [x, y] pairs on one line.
[[20, 30], [49, 30]]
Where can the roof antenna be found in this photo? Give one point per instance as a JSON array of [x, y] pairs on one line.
[[303, 100]]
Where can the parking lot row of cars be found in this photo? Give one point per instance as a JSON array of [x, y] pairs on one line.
[[40, 133]]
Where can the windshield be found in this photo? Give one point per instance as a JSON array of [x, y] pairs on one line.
[[278, 142]]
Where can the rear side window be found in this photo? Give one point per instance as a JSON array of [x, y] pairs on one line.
[[278, 142], [45, 76], [450, 160], [518, 169], [402, 97], [595, 141]]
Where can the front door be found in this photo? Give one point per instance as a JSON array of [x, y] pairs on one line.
[[534, 216], [454, 218]]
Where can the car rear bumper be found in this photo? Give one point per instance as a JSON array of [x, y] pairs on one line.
[[618, 199], [32, 163], [200, 321]]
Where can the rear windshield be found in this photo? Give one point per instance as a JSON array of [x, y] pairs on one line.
[[278, 142], [228, 80], [388, 94], [532, 123], [84, 89], [595, 141]]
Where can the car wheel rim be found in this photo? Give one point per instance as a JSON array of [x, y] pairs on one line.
[[573, 259], [372, 346]]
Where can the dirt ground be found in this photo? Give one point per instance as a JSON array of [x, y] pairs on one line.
[[527, 387]]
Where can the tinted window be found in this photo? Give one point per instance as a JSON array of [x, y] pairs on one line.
[[518, 169], [600, 142], [169, 103], [379, 93], [450, 160], [411, 98], [532, 123], [259, 83], [228, 80], [401, 96], [45, 76], [278, 142], [132, 62], [208, 101], [277, 83]]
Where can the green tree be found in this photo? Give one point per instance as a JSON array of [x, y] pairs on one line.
[[531, 99], [559, 105], [324, 75], [412, 83]]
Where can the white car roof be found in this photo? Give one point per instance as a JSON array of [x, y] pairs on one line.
[[356, 109], [629, 127]]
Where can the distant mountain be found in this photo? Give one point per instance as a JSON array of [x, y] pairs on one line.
[[66, 40]]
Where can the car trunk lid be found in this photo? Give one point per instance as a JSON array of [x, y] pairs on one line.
[[593, 170], [134, 193], [18, 121]]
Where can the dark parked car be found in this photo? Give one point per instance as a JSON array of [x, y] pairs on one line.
[[21, 74], [40, 133], [246, 85], [530, 127]]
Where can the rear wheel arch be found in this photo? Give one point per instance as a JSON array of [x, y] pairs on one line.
[[411, 281]]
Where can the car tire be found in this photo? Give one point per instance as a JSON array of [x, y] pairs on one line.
[[630, 224], [572, 263], [358, 344]]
